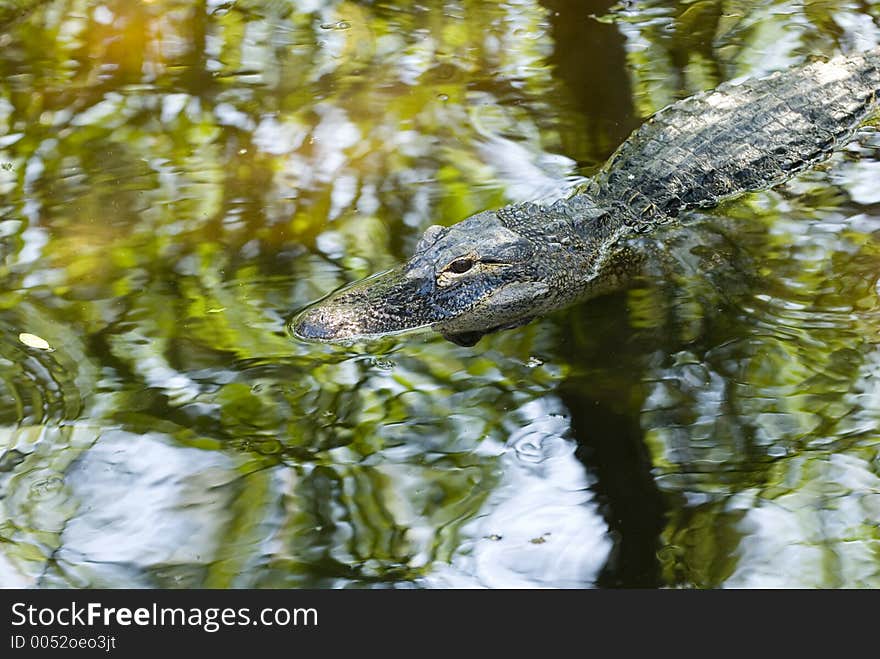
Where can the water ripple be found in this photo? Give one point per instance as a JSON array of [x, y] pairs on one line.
[[40, 385]]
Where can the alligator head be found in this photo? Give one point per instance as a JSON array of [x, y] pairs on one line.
[[494, 270]]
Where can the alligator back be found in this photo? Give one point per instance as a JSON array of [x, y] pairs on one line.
[[737, 138]]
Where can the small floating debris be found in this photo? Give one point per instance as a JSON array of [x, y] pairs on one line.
[[338, 25], [34, 341], [541, 539], [383, 363]]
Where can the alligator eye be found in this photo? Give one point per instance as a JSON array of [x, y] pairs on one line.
[[459, 266]]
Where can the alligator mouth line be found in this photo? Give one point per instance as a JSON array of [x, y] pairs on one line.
[[303, 328]]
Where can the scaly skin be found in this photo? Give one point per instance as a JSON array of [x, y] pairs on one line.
[[500, 269]]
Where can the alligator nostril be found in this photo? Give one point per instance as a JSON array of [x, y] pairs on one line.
[[312, 325]]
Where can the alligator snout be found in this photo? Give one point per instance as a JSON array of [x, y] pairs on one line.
[[385, 303], [314, 324], [334, 320]]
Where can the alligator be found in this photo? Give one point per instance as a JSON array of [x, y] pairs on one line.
[[501, 268]]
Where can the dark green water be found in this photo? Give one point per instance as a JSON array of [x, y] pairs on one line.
[[177, 178]]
